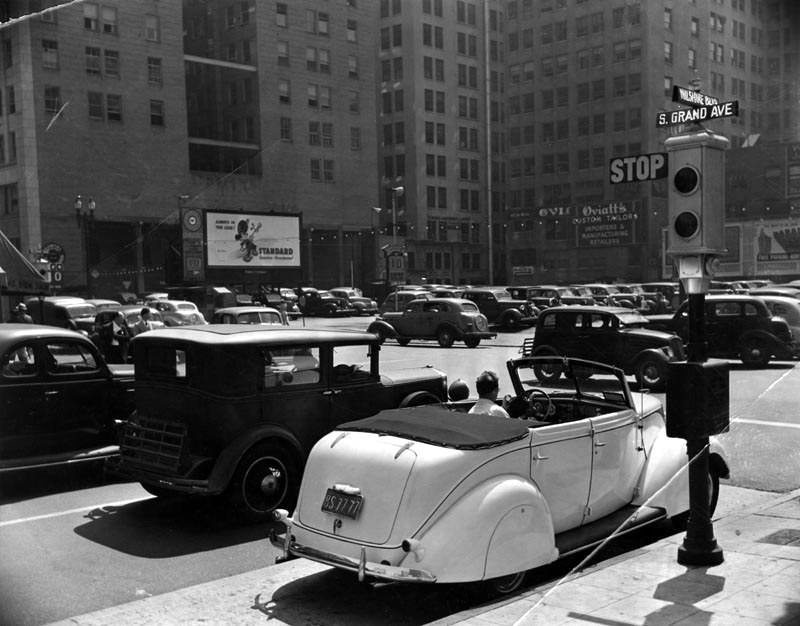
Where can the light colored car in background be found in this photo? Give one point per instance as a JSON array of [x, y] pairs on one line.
[[261, 315], [387, 497], [178, 312]]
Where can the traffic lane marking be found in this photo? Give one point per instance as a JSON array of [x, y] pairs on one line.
[[744, 420], [82, 509]]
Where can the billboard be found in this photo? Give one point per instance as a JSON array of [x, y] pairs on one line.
[[253, 240]]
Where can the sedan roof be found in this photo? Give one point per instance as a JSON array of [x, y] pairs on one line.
[[15, 332]]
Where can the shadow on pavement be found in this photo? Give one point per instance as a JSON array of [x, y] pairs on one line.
[[160, 528]]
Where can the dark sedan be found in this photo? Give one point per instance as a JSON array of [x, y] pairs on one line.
[[58, 398]]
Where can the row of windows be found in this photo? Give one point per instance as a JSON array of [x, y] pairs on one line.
[[317, 22], [317, 59], [319, 133], [104, 19], [101, 106], [317, 96], [437, 230], [101, 62]]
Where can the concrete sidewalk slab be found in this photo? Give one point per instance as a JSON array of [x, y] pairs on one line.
[[757, 584]]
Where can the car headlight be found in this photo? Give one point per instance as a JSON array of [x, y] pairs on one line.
[[668, 351]]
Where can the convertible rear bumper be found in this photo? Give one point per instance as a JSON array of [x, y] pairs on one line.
[[365, 569]]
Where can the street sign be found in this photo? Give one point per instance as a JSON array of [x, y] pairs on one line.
[[698, 114], [637, 168], [684, 95]]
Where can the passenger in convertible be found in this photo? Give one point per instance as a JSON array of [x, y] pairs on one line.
[[488, 386]]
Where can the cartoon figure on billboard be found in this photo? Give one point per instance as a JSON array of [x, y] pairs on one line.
[[245, 232]]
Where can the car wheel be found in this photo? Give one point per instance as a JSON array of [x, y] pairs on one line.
[[505, 584], [418, 398], [651, 373], [266, 478], [511, 321], [403, 341], [547, 372], [681, 521], [754, 353], [472, 342], [445, 337]]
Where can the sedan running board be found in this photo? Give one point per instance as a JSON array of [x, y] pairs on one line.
[[592, 534]]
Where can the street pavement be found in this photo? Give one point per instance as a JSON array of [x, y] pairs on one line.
[[758, 583]]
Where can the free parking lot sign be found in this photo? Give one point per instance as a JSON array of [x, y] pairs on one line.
[[637, 168]]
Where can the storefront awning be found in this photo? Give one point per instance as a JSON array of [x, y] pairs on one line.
[[17, 274]]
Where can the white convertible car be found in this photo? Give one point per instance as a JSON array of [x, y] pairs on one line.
[[432, 494]]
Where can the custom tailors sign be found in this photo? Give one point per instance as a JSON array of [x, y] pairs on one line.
[[252, 240]]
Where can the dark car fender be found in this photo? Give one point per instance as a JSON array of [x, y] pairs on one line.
[[761, 335], [648, 352], [382, 328], [229, 458]]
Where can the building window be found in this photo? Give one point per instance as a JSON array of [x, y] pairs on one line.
[[355, 138], [327, 170], [284, 92], [283, 53], [313, 134], [111, 65], [325, 97], [92, 60], [154, 71], [152, 28], [327, 135], [354, 98], [109, 19], [352, 31], [90, 15], [313, 95], [315, 170], [352, 66], [49, 54], [311, 59], [52, 100], [113, 107], [11, 100], [95, 105], [156, 112], [324, 61], [286, 129], [282, 14]]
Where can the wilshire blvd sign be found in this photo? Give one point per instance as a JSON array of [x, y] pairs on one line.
[[698, 113]]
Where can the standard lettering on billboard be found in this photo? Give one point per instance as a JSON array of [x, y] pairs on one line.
[[638, 168], [252, 240]]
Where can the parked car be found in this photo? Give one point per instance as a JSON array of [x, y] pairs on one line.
[[63, 311], [786, 292], [736, 327], [179, 312], [432, 495], [614, 335], [787, 308], [102, 304], [356, 300], [446, 320], [266, 316], [543, 296], [398, 300], [501, 309], [316, 302], [58, 398], [235, 409], [131, 314]]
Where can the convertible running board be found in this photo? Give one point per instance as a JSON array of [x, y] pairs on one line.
[[592, 534]]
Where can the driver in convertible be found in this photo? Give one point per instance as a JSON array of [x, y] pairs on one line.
[[488, 386]]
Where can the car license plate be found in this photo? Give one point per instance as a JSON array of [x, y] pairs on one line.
[[340, 503]]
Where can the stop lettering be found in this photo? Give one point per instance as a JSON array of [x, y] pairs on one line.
[[638, 168]]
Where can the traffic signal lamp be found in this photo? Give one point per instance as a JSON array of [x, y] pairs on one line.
[[696, 194]]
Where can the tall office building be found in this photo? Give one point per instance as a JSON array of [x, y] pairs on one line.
[[585, 82], [117, 114]]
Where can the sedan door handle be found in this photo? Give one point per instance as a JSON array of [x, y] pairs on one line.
[[52, 393], [599, 444], [539, 457], [331, 392]]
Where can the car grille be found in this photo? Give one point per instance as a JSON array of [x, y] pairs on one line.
[[153, 444]]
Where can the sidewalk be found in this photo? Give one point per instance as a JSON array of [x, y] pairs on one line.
[[757, 584]]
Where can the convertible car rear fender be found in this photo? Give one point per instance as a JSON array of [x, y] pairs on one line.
[[668, 459], [380, 327], [510, 530]]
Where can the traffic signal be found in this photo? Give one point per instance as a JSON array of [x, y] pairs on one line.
[[696, 194]]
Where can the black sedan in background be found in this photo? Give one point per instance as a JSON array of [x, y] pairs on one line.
[[58, 398]]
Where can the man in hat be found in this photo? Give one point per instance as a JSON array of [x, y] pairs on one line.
[[20, 314]]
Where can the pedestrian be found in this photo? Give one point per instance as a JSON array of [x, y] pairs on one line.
[[488, 386], [119, 336], [660, 304], [144, 323], [20, 315]]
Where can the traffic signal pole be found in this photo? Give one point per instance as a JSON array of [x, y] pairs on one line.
[[696, 240]]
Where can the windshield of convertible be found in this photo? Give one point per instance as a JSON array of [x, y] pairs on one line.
[[565, 378]]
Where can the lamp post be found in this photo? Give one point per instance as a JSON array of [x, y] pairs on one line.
[[397, 191], [85, 219]]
